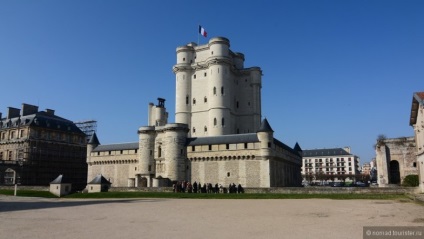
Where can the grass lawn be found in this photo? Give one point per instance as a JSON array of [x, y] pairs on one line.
[[44, 194], [27, 193]]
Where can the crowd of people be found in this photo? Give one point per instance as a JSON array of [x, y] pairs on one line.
[[187, 187]]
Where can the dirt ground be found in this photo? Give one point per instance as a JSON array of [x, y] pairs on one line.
[[199, 218]]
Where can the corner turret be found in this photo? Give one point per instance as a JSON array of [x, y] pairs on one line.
[[93, 142], [266, 136]]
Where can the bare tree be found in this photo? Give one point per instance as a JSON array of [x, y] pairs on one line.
[[380, 140]]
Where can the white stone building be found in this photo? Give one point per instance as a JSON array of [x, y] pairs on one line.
[[329, 164], [218, 136]]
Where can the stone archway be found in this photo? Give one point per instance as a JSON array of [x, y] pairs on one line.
[[143, 182], [394, 176]]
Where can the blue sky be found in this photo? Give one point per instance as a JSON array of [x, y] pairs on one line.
[[335, 73]]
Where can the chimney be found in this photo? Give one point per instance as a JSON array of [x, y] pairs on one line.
[[28, 109], [347, 149], [50, 112], [13, 112]]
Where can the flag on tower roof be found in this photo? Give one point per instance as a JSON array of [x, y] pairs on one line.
[[202, 31]]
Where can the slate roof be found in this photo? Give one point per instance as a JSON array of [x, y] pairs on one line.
[[286, 147], [417, 99], [297, 148], [224, 139], [60, 179], [99, 179], [41, 119], [115, 147], [94, 139], [325, 152], [265, 127]]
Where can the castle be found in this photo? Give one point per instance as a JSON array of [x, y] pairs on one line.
[[218, 136]]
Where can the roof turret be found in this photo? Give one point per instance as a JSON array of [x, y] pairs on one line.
[[265, 127], [94, 139]]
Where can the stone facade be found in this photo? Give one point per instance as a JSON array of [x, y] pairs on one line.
[[215, 94], [218, 136], [36, 146], [335, 163], [417, 122], [395, 160]]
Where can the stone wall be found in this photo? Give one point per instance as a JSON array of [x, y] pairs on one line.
[[250, 173], [399, 152], [294, 190]]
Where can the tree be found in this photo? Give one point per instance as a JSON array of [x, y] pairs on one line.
[[380, 140]]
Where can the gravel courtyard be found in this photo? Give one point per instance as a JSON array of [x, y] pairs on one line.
[[199, 218]]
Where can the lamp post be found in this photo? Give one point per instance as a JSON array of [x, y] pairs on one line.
[[21, 163]]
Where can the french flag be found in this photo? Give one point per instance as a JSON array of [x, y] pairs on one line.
[[202, 31]]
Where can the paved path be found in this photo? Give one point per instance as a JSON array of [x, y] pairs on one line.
[[199, 218]]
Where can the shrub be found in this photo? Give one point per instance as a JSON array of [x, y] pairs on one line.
[[411, 181]]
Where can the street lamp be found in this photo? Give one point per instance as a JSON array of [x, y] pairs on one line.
[[20, 162]]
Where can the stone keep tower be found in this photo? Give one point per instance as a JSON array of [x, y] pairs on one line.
[[215, 94]]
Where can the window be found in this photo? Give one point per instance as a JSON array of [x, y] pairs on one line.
[[211, 52], [187, 99], [245, 145], [269, 144], [135, 151], [193, 148], [151, 152], [194, 76], [227, 146], [122, 151], [205, 100], [12, 134], [110, 152], [98, 153], [413, 165], [223, 122], [194, 101], [228, 174], [150, 167], [184, 59], [237, 103], [214, 121], [205, 74], [206, 129], [10, 155], [214, 90], [210, 147], [159, 152], [222, 90], [194, 130]]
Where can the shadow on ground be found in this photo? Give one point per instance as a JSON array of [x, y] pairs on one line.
[[9, 204]]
